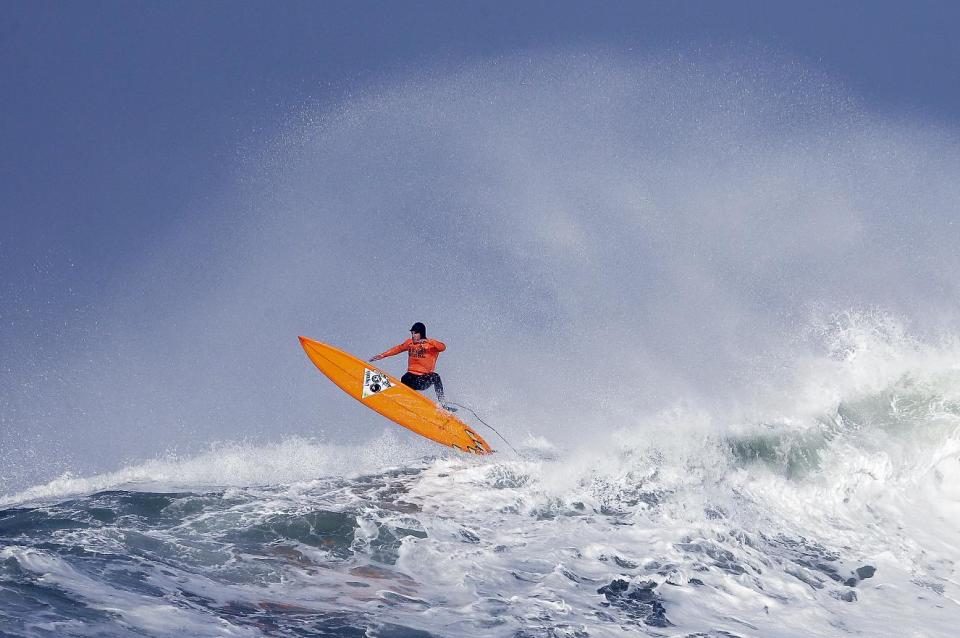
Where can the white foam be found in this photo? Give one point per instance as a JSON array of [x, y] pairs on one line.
[[237, 464]]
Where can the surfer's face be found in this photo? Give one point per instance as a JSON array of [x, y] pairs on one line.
[[416, 335]]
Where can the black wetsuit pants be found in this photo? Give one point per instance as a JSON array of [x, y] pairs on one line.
[[424, 381]]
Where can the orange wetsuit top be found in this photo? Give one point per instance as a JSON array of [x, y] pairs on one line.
[[422, 354]]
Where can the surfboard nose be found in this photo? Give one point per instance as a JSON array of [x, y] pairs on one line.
[[307, 344]]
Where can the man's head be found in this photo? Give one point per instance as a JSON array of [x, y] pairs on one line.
[[418, 330]]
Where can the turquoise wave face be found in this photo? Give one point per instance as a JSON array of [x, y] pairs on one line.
[[121, 562]]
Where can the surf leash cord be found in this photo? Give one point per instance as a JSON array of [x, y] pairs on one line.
[[460, 405]]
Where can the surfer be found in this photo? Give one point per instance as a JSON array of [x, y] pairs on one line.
[[421, 360]]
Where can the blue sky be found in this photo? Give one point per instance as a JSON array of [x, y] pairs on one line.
[[117, 116]]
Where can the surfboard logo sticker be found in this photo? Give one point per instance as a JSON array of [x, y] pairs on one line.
[[374, 382]]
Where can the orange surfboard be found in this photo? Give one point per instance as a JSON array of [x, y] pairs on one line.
[[386, 395]]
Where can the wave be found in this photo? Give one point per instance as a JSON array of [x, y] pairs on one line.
[[732, 353], [294, 459]]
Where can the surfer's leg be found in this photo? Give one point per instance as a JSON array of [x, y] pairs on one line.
[[437, 385], [415, 381], [421, 382]]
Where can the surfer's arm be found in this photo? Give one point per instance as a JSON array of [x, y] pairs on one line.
[[439, 346], [403, 347]]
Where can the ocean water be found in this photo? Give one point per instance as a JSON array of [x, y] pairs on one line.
[[841, 519]]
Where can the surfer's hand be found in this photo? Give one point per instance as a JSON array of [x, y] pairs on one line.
[[375, 358]]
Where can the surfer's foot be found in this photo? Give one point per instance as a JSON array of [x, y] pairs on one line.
[[447, 407]]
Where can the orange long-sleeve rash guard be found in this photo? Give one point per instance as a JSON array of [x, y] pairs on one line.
[[423, 354]]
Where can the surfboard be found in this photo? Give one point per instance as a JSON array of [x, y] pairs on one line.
[[385, 395]]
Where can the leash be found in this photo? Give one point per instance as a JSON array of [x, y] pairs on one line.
[[486, 424]]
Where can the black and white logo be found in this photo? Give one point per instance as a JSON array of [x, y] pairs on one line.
[[374, 381]]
